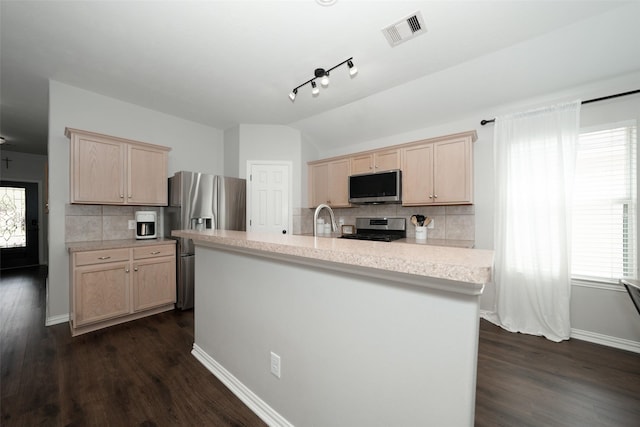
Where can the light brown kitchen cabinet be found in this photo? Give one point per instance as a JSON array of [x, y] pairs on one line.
[[113, 286], [329, 183], [101, 291], [154, 278], [377, 161], [435, 171], [438, 173], [116, 171]]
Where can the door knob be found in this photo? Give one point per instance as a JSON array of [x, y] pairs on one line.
[[284, 231]]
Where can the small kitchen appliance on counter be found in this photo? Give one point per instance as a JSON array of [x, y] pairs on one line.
[[379, 229], [146, 225]]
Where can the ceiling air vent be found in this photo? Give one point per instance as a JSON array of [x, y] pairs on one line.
[[405, 29]]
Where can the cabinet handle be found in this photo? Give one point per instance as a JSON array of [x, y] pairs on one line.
[[436, 196], [122, 196], [126, 270], [104, 257], [431, 196], [155, 252], [135, 268], [130, 196]]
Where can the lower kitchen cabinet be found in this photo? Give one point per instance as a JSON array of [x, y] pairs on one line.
[[113, 286], [102, 292], [154, 283]]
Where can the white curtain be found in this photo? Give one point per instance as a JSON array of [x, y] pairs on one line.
[[534, 154]]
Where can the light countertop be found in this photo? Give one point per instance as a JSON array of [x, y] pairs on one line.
[[115, 244], [460, 264]]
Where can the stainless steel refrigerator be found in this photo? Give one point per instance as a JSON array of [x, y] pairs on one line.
[[200, 201]]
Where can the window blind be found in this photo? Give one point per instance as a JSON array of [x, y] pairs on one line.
[[604, 238]]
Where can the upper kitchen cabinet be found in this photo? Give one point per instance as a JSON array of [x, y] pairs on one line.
[[376, 161], [108, 170], [438, 171], [329, 183]]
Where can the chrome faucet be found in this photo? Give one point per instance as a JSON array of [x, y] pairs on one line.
[[334, 227]]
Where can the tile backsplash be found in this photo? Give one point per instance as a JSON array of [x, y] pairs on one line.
[[100, 222], [104, 222], [449, 222]]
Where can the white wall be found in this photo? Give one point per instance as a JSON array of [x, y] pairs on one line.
[[30, 168], [194, 147], [355, 350], [232, 152]]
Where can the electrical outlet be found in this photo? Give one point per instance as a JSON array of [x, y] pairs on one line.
[[132, 224], [275, 364], [431, 224]]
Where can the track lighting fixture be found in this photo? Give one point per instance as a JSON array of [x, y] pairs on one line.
[[323, 75]]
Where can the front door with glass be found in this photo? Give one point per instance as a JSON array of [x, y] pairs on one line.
[[18, 224]]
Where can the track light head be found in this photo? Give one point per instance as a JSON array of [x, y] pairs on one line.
[[292, 95], [353, 70], [323, 75], [325, 80], [315, 91]]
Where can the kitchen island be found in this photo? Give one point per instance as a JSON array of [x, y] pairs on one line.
[[329, 331]]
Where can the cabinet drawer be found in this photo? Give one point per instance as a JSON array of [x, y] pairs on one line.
[[101, 257], [154, 251]]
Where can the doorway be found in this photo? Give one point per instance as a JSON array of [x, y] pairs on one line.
[[269, 197], [19, 224]]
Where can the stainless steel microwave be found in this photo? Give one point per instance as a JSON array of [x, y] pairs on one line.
[[371, 188]]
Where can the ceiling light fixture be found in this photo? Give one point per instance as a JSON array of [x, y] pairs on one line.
[[323, 75], [326, 2]]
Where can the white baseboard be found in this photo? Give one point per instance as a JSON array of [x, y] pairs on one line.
[[54, 320], [249, 398], [607, 340]]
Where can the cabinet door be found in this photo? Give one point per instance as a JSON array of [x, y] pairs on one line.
[[362, 164], [339, 171], [154, 282], [147, 182], [417, 175], [387, 160], [101, 292], [452, 173], [318, 184], [97, 174]]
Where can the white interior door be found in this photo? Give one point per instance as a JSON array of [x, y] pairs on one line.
[[269, 201]]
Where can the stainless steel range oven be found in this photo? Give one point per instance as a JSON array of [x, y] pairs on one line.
[[379, 229]]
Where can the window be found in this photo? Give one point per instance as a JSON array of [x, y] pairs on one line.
[[604, 240]]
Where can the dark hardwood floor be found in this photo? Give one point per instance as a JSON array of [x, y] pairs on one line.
[[137, 374], [142, 374]]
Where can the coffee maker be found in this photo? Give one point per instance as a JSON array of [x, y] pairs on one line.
[[146, 224]]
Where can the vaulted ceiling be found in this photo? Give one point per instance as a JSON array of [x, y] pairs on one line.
[[222, 63]]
